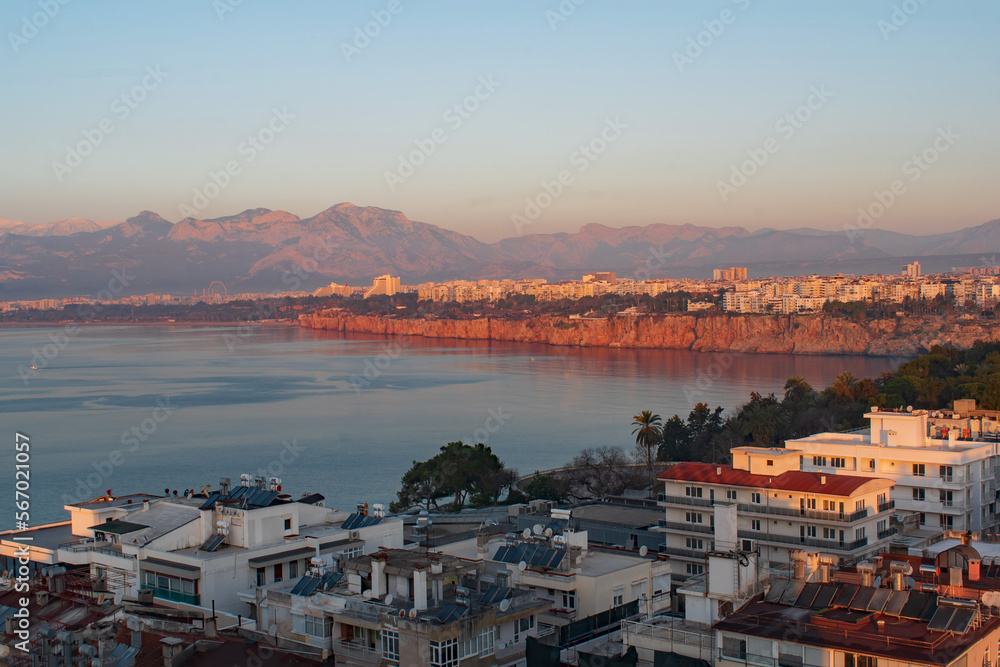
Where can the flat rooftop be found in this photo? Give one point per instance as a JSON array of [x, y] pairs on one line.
[[623, 515]]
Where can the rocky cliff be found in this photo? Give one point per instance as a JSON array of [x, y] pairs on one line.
[[789, 334]]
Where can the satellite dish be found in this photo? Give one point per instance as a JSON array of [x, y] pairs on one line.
[[991, 598], [547, 532], [537, 529], [526, 534], [388, 599], [368, 595], [504, 604], [909, 408], [413, 613], [522, 566], [402, 613], [643, 550]]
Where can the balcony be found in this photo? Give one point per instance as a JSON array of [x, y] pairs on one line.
[[109, 548], [889, 532], [357, 652], [815, 515], [664, 499], [685, 527], [173, 596], [832, 545], [886, 506]]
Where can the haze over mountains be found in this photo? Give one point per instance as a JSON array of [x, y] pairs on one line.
[[260, 250]]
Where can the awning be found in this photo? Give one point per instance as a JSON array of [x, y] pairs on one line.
[[291, 554], [339, 545], [182, 570], [117, 527]]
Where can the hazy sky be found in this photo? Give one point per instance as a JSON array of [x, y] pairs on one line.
[[160, 95]]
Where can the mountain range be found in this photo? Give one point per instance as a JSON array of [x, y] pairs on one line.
[[260, 250]]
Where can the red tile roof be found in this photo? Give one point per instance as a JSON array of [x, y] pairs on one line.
[[803, 482]]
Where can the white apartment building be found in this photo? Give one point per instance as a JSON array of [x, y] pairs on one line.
[[779, 509], [384, 285], [944, 464]]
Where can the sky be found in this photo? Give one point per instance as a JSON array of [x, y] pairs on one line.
[[497, 118]]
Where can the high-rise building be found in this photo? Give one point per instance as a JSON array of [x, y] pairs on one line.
[[383, 285]]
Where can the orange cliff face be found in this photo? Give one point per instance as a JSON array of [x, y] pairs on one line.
[[788, 334]]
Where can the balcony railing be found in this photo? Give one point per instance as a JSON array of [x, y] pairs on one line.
[[888, 532], [357, 652], [886, 506], [818, 515], [684, 500], [686, 527], [174, 596], [109, 548], [805, 541]]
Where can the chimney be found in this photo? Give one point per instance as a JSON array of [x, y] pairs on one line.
[[172, 648], [822, 479], [419, 587], [974, 569], [378, 575], [145, 504]]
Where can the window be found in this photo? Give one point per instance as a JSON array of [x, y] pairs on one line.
[[731, 494], [693, 517], [522, 626], [755, 525], [755, 498], [829, 533], [317, 626], [390, 645], [293, 569], [859, 505], [569, 599], [734, 647], [638, 589], [919, 494], [807, 531], [811, 503], [838, 462], [948, 521], [444, 653], [946, 473], [923, 519], [617, 597], [947, 498], [693, 543], [694, 568], [261, 576], [278, 574], [858, 660], [770, 462], [859, 533], [288, 524], [819, 461], [829, 505], [353, 552], [871, 464], [482, 644], [919, 469], [693, 491], [881, 526]]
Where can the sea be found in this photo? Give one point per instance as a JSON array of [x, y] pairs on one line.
[[159, 409]]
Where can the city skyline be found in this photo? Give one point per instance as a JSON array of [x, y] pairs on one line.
[[724, 114]]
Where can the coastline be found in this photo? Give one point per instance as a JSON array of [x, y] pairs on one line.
[[807, 334]]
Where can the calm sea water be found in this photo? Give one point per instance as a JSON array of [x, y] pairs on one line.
[[148, 408]]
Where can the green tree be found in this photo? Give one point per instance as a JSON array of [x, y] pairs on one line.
[[461, 472]]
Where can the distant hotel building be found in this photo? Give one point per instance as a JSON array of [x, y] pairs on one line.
[[383, 286], [912, 270], [731, 274]]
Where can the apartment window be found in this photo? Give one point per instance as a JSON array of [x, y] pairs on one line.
[[881, 525], [829, 505], [482, 644], [859, 533], [819, 461], [617, 597], [693, 517], [390, 645], [838, 462], [694, 543], [829, 533], [694, 568], [871, 464], [693, 491], [948, 521], [638, 589], [522, 626], [755, 525], [288, 524], [947, 498], [807, 531], [882, 499], [278, 574], [353, 552], [293, 569], [169, 584], [755, 498], [859, 505], [317, 626], [261, 576], [444, 654], [923, 519], [731, 494], [858, 660], [770, 462], [919, 495], [919, 469], [569, 599], [946, 473]]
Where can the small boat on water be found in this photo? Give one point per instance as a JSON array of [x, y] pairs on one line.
[[34, 368]]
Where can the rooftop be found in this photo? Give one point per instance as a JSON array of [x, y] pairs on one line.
[[802, 482]]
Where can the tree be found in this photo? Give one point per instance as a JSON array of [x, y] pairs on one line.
[[647, 432], [601, 472], [546, 487], [460, 472]]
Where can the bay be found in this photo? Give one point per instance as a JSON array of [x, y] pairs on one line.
[[155, 408]]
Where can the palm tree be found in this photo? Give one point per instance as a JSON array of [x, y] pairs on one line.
[[843, 385], [796, 389], [648, 433]]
